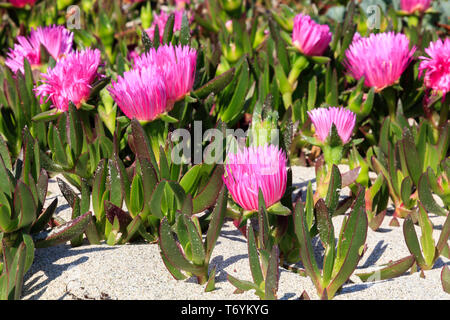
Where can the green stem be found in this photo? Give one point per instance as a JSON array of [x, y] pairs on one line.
[[332, 155], [300, 64], [287, 100], [443, 116], [157, 134], [390, 97]]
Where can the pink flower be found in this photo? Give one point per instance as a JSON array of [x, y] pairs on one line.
[[323, 119], [182, 3], [176, 64], [161, 20], [56, 39], [132, 55], [414, 5], [140, 93], [70, 79], [21, 3], [437, 67], [255, 168], [381, 58], [309, 37]]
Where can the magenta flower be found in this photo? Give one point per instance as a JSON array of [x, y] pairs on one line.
[[381, 58], [176, 64], [71, 79], [414, 5], [161, 20], [255, 168], [436, 67], [182, 3], [323, 119], [56, 39], [309, 37], [21, 3], [140, 93]]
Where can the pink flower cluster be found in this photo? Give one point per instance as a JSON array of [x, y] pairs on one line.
[[324, 118], [309, 37], [381, 58], [21, 3], [56, 39], [70, 79], [436, 68], [161, 20], [159, 78], [140, 93], [414, 5], [255, 168], [177, 66]]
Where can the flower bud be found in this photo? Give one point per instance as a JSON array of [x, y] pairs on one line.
[[231, 5]]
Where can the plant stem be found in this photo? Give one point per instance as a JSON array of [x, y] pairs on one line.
[[390, 97]]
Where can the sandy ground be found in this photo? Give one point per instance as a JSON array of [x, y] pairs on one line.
[[136, 271]]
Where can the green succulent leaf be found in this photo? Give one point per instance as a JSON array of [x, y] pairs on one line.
[[195, 239], [255, 264], [24, 205], [334, 188], [306, 249], [236, 105], [411, 156], [393, 270], [351, 241], [426, 197], [242, 284], [272, 276], [216, 223], [445, 279], [208, 195], [412, 242], [65, 232], [171, 251], [215, 85], [426, 239], [40, 223]]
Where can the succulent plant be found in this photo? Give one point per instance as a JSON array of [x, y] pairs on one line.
[[189, 254], [263, 254], [339, 262], [150, 190], [427, 252], [24, 223], [435, 183], [75, 147], [403, 164], [18, 105]]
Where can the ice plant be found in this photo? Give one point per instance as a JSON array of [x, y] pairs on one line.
[[309, 37], [255, 168], [57, 40], [21, 3], [381, 58], [181, 4], [332, 142], [435, 69], [324, 118], [161, 20], [71, 79], [140, 93], [411, 6], [176, 64]]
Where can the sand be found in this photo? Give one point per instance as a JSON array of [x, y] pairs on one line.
[[136, 271]]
